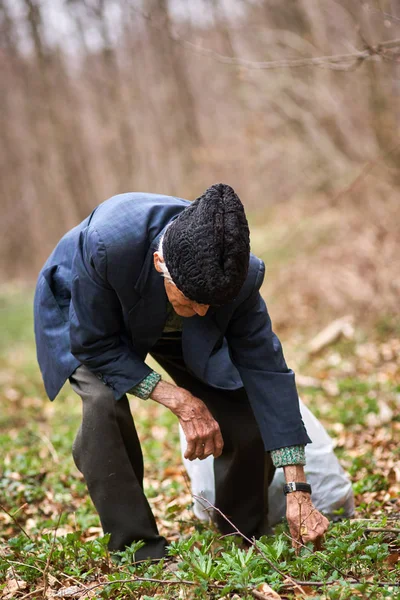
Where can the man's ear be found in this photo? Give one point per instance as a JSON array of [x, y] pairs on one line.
[[157, 258]]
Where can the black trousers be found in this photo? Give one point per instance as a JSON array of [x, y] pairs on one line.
[[107, 452]]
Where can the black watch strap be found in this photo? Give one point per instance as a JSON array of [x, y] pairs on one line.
[[294, 486]]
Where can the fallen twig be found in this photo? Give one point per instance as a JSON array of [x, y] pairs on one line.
[[26, 565], [382, 530], [37, 591], [47, 566], [340, 582], [144, 580], [15, 521], [251, 542], [254, 593], [331, 333], [356, 580], [49, 446]]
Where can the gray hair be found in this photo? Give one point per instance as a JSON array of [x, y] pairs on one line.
[[164, 269]]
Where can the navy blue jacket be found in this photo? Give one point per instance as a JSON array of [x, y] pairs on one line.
[[100, 302]]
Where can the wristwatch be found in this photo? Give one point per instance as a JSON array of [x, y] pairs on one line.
[[295, 486]]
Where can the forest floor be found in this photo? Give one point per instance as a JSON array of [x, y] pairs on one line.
[[51, 544]]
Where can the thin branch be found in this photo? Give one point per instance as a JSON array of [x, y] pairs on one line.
[[381, 530], [15, 521], [254, 593], [385, 14], [148, 580], [49, 446], [26, 565], [338, 62], [47, 566], [16, 562], [359, 519], [37, 591], [366, 170], [340, 582], [248, 540], [331, 61], [345, 575]]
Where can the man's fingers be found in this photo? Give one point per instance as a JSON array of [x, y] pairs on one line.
[[203, 437], [198, 446], [218, 443], [316, 525], [191, 440], [190, 450], [204, 448]]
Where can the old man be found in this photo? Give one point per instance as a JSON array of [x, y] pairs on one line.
[[159, 275]]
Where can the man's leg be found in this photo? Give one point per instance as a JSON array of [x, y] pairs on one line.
[[244, 470], [107, 452]]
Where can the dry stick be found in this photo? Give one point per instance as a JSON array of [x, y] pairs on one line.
[[16, 562], [20, 508], [337, 581], [47, 566], [143, 580], [49, 446], [388, 518], [61, 572], [16, 522], [293, 582], [254, 593], [356, 579], [39, 590], [381, 529], [366, 169], [334, 61], [251, 542]]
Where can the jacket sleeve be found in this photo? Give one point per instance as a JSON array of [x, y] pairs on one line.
[[96, 320], [270, 385]]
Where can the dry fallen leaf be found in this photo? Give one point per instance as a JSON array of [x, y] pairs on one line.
[[12, 586], [268, 592]]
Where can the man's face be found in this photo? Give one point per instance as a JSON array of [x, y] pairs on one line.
[[181, 305]]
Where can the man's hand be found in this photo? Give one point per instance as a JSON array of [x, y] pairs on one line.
[[305, 522], [201, 430]]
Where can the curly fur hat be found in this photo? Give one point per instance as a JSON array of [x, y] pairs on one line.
[[206, 249]]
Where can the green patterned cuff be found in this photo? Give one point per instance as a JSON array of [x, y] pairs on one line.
[[292, 455], [145, 388]]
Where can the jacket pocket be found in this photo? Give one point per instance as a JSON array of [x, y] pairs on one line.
[[56, 296]]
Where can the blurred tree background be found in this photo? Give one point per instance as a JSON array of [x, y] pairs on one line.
[[99, 97]]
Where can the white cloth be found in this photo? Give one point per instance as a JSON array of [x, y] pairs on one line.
[[331, 487]]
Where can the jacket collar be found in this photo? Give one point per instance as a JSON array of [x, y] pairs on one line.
[[148, 279]]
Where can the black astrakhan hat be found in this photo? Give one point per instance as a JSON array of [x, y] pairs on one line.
[[206, 249]]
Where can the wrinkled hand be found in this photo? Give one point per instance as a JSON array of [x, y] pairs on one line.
[[305, 522], [201, 430]]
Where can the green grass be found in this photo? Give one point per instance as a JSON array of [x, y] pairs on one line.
[[53, 539]]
